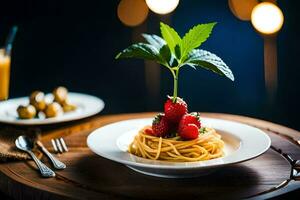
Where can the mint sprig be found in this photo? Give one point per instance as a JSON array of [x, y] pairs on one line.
[[174, 52]]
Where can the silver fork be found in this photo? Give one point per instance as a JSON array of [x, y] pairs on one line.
[[55, 162], [59, 145]]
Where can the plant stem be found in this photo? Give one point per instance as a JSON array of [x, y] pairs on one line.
[[175, 76]]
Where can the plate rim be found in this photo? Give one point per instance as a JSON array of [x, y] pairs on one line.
[[29, 122], [178, 167]]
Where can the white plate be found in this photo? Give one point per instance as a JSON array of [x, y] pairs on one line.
[[87, 105], [242, 142]]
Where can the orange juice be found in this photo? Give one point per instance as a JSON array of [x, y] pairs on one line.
[[4, 75]]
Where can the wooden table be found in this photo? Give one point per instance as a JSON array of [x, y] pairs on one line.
[[89, 176]]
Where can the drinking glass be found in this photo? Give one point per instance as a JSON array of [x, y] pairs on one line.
[[4, 74]]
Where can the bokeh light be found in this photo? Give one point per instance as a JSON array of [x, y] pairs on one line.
[[132, 12], [267, 18], [242, 9], [162, 7]]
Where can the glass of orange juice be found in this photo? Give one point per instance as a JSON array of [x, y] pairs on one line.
[[4, 75]]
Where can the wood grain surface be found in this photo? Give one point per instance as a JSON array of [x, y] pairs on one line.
[[89, 176]]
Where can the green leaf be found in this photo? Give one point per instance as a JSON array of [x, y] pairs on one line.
[[209, 61], [160, 44], [195, 37], [177, 51], [142, 51], [170, 36], [165, 53], [154, 40]]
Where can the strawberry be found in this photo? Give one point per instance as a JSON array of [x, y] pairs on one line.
[[160, 125], [191, 118], [173, 127], [149, 131], [175, 110], [189, 132]]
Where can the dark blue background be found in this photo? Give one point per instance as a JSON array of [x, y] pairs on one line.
[[73, 43]]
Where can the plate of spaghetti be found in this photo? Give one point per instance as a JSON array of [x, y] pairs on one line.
[[217, 144], [177, 143]]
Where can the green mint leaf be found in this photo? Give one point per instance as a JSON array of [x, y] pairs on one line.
[[209, 61], [195, 37], [161, 45], [165, 54], [177, 51], [170, 36], [142, 51], [163, 48], [154, 40]]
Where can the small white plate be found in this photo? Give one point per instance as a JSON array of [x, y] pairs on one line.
[[87, 105], [242, 142]]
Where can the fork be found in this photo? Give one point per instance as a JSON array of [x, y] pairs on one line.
[[55, 162], [59, 145]]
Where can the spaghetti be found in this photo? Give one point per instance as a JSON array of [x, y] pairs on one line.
[[207, 146]]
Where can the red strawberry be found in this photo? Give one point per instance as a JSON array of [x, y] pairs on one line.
[[174, 111], [160, 125], [173, 127], [149, 131], [189, 132], [192, 118]]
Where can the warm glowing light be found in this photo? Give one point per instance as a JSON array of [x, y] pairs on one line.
[[267, 18], [242, 9], [132, 12], [162, 6]]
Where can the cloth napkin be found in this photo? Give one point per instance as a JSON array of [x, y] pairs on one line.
[[8, 149]]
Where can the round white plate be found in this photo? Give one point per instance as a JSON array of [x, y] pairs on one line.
[[242, 142], [87, 105]]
